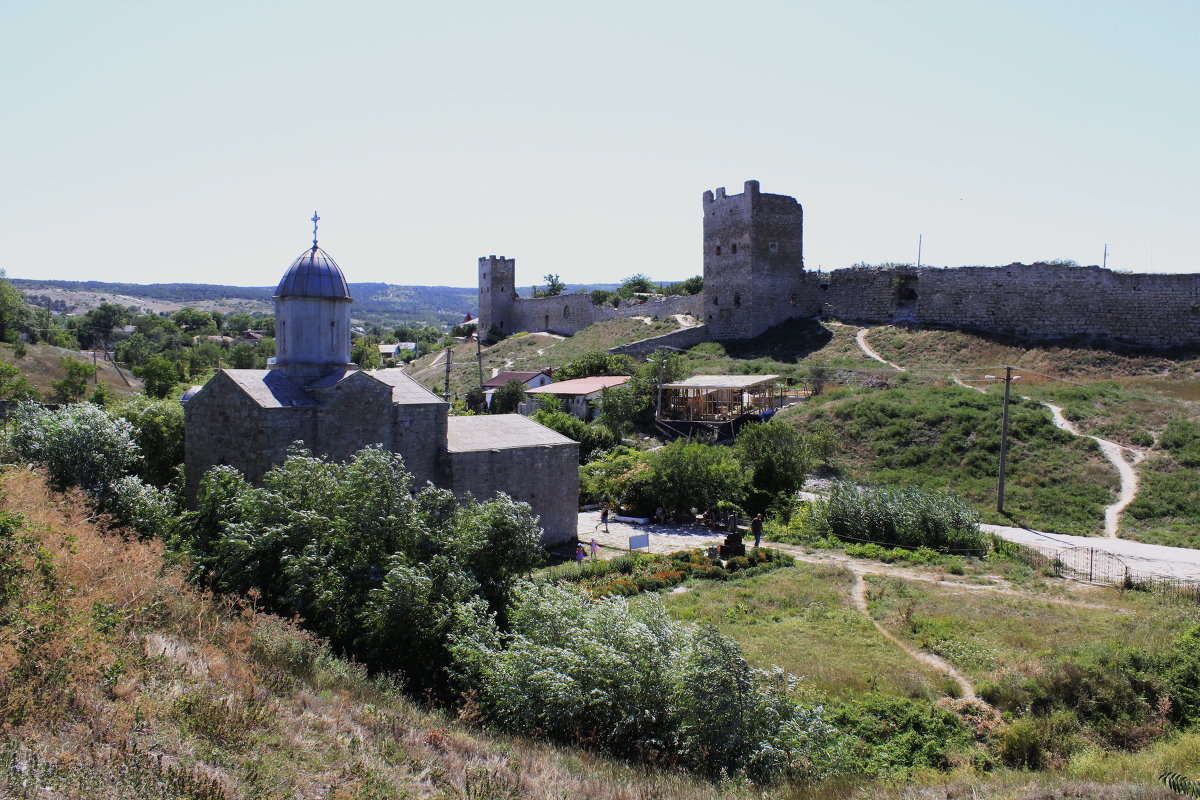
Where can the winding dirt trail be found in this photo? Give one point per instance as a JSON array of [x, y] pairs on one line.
[[863, 345], [1115, 453], [965, 688]]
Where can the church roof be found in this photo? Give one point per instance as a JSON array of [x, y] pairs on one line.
[[405, 390], [269, 388], [314, 274], [498, 432]]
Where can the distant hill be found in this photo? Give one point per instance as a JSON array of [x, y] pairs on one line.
[[383, 303]]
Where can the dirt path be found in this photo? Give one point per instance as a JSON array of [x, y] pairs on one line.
[[965, 688], [861, 338], [1114, 452], [667, 539]]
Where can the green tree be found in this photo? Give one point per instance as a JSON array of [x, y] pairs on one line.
[[158, 375], [636, 284], [158, 432], [508, 397], [596, 362], [72, 387], [243, 356], [554, 286], [386, 571], [777, 456], [194, 322], [14, 385], [592, 438], [686, 474], [135, 350], [15, 314]]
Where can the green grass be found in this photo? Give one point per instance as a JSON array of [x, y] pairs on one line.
[[522, 352], [802, 619], [948, 438], [988, 634]]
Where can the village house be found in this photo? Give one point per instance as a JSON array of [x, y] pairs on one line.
[[582, 397]]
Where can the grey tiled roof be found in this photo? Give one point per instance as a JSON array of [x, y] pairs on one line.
[[405, 390], [498, 432], [313, 274], [269, 388]]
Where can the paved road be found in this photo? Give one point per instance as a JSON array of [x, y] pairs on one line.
[[1143, 560]]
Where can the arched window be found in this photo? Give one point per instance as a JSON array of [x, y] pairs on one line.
[[737, 301], [566, 311]]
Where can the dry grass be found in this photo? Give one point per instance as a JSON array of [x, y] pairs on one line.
[[118, 680], [42, 363]]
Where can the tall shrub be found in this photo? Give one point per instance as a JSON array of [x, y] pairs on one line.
[[902, 517]]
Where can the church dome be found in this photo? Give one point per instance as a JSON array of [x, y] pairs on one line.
[[314, 274]]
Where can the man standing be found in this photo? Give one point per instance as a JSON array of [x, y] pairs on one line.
[[756, 529]]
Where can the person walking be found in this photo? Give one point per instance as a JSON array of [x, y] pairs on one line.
[[603, 518], [756, 527]]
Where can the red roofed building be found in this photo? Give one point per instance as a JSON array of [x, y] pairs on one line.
[[580, 396]]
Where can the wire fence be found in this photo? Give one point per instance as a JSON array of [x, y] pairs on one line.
[[1100, 567]]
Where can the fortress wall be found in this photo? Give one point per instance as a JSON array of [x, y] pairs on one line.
[[1036, 300], [570, 313], [682, 339]]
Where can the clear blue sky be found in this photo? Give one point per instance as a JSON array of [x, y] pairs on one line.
[[157, 142]]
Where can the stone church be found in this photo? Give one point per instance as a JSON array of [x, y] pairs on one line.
[[247, 418]]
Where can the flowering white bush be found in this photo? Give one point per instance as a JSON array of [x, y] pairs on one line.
[[624, 676], [80, 445]]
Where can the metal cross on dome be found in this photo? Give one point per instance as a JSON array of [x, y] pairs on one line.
[[315, 220]]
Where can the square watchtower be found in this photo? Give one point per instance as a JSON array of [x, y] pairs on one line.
[[753, 261]]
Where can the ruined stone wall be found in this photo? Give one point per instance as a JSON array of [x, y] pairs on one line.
[[570, 313], [1036, 300], [681, 339], [545, 476]]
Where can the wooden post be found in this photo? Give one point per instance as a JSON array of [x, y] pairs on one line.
[[1003, 441]]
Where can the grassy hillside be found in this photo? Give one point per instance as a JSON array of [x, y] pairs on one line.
[[120, 680], [948, 437], [531, 351], [42, 364]]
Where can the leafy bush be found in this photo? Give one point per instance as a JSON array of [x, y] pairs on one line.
[[158, 431], [626, 678], [895, 734], [386, 574], [80, 445], [686, 474], [906, 517], [592, 438]]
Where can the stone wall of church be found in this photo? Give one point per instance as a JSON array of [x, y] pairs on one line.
[[226, 427], [545, 476]]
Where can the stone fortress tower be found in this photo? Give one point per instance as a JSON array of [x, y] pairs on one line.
[[497, 290], [753, 261], [247, 418]]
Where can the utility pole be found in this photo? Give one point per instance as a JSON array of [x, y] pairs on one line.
[[1003, 441], [920, 241], [662, 363], [449, 356], [479, 356], [1106, 255]]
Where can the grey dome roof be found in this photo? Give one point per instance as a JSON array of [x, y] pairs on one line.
[[313, 274]]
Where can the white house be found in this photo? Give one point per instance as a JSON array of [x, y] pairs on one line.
[[579, 396]]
